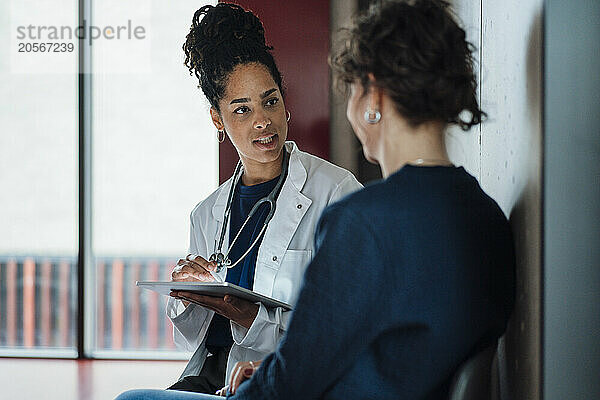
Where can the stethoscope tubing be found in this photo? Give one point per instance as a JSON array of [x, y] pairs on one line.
[[271, 199]]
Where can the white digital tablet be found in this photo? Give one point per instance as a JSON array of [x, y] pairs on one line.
[[214, 289]]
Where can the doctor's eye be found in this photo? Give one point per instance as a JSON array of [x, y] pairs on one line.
[[241, 110], [272, 101]]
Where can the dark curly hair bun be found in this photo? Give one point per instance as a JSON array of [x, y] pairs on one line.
[[222, 37], [419, 55]]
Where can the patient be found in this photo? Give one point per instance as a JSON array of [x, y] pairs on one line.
[[415, 273]]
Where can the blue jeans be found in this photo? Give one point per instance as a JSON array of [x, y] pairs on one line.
[[158, 394]]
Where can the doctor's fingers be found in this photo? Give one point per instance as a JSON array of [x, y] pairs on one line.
[[190, 270], [201, 261], [198, 262], [215, 304], [192, 259]]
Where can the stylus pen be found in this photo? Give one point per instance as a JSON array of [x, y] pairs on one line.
[[216, 276]]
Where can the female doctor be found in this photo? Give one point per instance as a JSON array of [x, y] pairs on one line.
[[226, 51]]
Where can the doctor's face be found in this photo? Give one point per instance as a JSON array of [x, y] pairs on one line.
[[253, 114]]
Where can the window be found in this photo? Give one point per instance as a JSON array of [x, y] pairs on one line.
[[38, 186], [154, 155]]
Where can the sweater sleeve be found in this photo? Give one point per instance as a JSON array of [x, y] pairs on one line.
[[336, 315]]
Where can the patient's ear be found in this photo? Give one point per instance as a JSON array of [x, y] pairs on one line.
[[375, 94]]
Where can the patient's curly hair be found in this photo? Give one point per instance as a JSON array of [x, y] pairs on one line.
[[418, 55], [221, 38]]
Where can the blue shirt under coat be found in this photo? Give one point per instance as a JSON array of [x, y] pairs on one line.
[[244, 198]]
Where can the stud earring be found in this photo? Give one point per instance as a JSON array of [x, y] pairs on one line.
[[221, 135], [372, 117]]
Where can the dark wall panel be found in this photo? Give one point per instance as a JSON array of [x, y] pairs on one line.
[[299, 32]]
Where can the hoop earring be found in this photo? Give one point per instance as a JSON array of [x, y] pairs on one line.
[[289, 116], [372, 117], [221, 136]]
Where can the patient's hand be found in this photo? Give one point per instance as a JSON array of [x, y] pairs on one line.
[[223, 391], [240, 373]]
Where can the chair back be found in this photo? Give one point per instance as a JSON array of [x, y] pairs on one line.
[[477, 378]]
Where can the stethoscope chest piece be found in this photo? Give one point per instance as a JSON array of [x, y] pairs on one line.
[[220, 260]]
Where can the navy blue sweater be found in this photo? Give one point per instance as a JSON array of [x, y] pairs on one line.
[[410, 277]]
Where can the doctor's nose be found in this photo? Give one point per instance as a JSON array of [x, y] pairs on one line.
[[261, 123]]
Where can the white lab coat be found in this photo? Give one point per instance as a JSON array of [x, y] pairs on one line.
[[287, 247]]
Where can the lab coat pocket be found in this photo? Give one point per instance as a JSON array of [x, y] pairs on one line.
[[289, 276]]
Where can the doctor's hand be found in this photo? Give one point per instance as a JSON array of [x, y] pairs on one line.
[[193, 269], [240, 373], [240, 311]]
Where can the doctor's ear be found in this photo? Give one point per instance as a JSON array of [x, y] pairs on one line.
[[216, 119]]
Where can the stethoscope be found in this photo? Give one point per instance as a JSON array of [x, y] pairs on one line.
[[223, 260]]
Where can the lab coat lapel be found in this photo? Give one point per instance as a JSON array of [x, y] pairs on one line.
[[218, 209], [218, 212], [292, 205]]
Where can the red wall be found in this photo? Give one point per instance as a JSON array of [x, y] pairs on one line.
[[299, 32]]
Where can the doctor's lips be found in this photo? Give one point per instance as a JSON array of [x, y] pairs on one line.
[[267, 141]]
